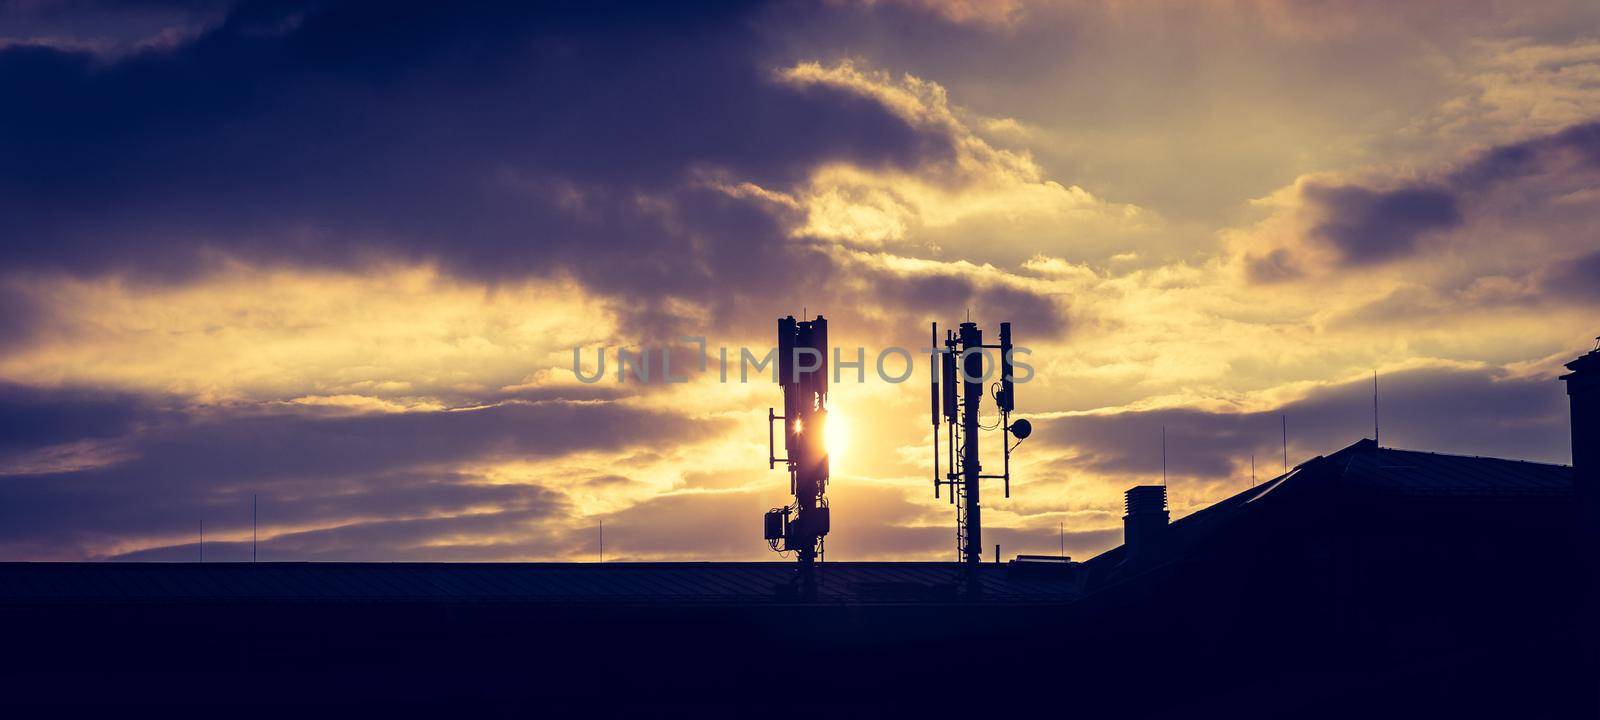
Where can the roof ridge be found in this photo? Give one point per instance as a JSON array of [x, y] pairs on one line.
[[1474, 457], [1368, 444]]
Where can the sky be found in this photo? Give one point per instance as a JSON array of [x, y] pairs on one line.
[[332, 260]]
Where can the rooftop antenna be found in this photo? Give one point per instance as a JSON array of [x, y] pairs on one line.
[[800, 527], [960, 369], [933, 386], [202, 544], [1252, 469], [1285, 419], [1063, 539], [1374, 407], [1163, 456], [252, 527]]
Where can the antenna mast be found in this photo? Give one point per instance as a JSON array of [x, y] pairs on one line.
[[963, 355], [1285, 419], [1374, 407], [803, 374]]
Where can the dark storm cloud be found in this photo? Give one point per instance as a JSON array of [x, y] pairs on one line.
[[502, 141], [1469, 412], [32, 418], [307, 469], [1576, 146], [1370, 225], [499, 139]]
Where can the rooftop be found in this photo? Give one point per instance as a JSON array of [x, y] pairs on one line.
[[557, 583], [1371, 471]]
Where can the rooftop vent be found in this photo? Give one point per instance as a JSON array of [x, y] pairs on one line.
[[1147, 499], [1145, 525]]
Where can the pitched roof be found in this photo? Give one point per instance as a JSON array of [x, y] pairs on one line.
[[1366, 467], [622, 583], [1409, 472]]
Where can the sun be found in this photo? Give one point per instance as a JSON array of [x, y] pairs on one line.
[[837, 435]]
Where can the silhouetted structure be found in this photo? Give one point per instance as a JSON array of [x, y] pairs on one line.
[[962, 372], [803, 373], [1143, 528], [1370, 576], [1583, 386]]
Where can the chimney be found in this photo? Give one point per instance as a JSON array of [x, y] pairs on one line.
[[1583, 385], [1144, 525]]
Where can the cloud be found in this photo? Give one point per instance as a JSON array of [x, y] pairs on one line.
[[292, 139], [355, 133], [1577, 277], [1464, 411], [1275, 265], [110, 30], [994, 13], [937, 203], [1368, 226], [1510, 89], [1324, 225], [33, 417], [531, 530], [403, 335], [312, 472]]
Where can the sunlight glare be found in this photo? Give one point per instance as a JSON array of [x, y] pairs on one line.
[[837, 435]]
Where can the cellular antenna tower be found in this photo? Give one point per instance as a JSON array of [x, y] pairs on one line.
[[959, 365], [803, 372]]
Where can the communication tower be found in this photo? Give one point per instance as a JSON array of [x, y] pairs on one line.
[[959, 367], [803, 372]]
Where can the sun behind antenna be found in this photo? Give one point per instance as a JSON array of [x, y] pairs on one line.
[[803, 373]]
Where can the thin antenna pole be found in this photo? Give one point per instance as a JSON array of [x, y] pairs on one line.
[[202, 541], [1285, 419], [602, 541], [1063, 539], [1163, 456], [1374, 407], [1252, 469], [252, 527]]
